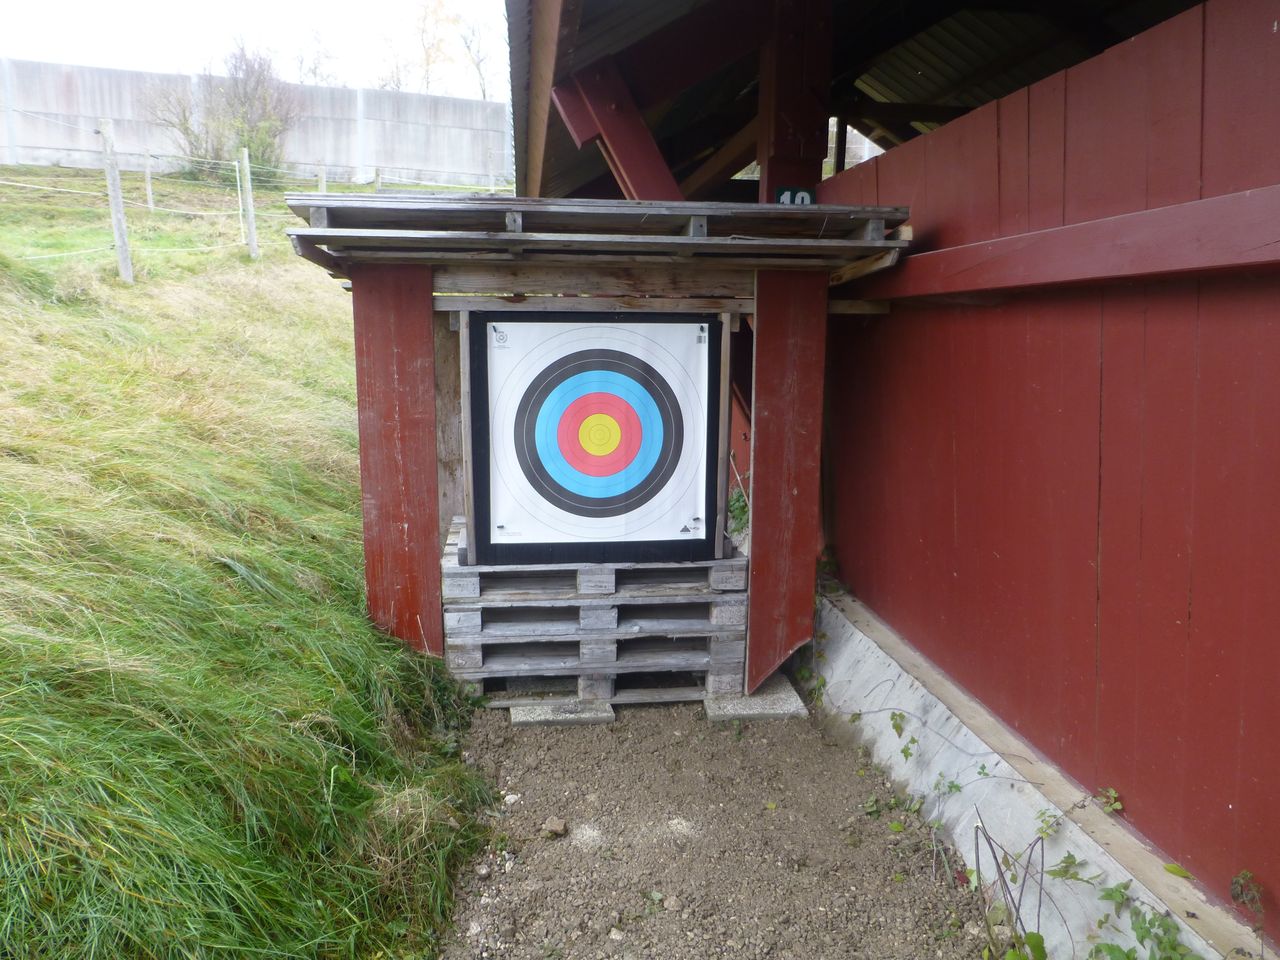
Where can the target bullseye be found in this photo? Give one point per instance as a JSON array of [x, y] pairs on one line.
[[598, 433]]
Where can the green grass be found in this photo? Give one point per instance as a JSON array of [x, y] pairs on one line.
[[204, 748]]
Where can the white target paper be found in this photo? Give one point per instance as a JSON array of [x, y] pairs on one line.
[[597, 432]]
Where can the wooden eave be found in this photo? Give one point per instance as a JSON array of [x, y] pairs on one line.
[[344, 229]]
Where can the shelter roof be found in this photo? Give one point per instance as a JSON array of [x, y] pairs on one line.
[[345, 228], [900, 69]]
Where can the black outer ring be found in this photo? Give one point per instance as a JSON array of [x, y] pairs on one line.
[[526, 428]]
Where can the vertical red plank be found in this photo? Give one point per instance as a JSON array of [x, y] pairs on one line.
[[1014, 170], [900, 181], [1241, 91], [1233, 754], [857, 185], [786, 435], [1046, 149], [395, 390], [1023, 586], [1173, 54], [963, 209], [1120, 529], [1106, 147], [1157, 706]]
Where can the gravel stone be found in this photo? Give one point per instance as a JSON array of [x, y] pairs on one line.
[[754, 834]]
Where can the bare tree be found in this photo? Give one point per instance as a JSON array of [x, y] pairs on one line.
[[473, 46], [435, 27], [394, 76], [316, 69], [249, 107]]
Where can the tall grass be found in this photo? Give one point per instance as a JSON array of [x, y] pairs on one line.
[[204, 748]]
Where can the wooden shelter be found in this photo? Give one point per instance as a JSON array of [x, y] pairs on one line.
[[410, 258]]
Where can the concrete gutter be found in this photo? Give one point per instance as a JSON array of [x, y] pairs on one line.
[[864, 669]]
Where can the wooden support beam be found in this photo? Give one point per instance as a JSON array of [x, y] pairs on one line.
[[786, 454], [733, 155], [795, 75], [790, 330], [544, 40], [1235, 231], [602, 108], [395, 396]]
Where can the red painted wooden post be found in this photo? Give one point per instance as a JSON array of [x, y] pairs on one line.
[[790, 350], [786, 454], [395, 390]]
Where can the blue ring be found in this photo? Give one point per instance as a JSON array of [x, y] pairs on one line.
[[546, 433]]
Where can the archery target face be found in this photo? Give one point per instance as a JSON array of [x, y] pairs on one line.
[[597, 432]]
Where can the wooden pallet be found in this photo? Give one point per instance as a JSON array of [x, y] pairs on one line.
[[621, 633], [566, 581], [628, 688]]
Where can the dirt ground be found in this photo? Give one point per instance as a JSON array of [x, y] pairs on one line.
[[684, 839]]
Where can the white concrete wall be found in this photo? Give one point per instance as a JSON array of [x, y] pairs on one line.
[[867, 672], [48, 113]]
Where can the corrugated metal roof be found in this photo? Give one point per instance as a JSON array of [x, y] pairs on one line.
[[929, 52]]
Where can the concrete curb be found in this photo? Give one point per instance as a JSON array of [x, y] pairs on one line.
[[865, 669]]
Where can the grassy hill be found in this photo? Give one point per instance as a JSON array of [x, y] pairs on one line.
[[204, 748]]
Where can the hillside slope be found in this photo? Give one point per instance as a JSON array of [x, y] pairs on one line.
[[204, 748]]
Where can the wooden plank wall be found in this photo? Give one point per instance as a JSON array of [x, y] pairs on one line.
[[1069, 499]]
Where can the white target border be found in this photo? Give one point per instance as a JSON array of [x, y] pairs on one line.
[[518, 351]]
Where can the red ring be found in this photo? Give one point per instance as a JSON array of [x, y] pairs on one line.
[[616, 460]]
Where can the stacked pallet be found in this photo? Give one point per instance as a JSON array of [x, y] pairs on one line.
[[613, 632]]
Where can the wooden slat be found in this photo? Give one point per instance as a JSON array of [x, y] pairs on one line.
[[601, 304], [599, 260], [1230, 232], [733, 246], [352, 205], [659, 280]]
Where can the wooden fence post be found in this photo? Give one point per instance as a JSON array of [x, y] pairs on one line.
[[250, 220], [115, 199], [146, 174]]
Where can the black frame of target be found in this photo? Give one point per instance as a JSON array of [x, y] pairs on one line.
[[484, 551]]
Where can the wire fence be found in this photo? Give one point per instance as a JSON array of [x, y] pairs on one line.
[[190, 203]]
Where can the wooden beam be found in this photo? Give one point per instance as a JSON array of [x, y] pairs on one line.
[[790, 330], [733, 155], [795, 76], [1234, 231], [683, 280], [786, 453], [544, 39], [395, 398], [623, 135], [574, 304]]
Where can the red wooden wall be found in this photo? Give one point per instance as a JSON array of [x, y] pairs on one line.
[[1075, 502]]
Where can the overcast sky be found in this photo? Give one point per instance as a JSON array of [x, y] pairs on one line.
[[349, 44]]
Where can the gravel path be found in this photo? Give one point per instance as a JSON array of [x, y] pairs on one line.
[[686, 840]]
